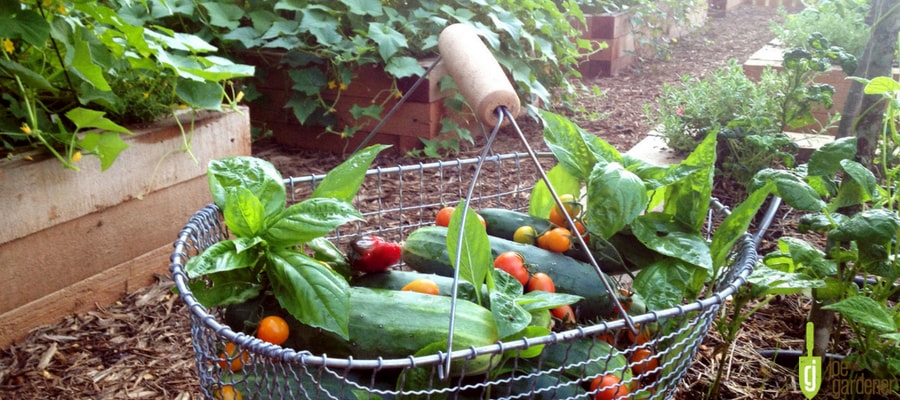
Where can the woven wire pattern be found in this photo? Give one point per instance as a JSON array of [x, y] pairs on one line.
[[395, 201]]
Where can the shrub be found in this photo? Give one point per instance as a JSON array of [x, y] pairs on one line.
[[841, 22]]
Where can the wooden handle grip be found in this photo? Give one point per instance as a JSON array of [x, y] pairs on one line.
[[477, 74]]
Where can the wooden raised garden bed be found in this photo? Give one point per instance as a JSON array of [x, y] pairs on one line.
[[71, 240], [770, 56], [626, 43], [419, 117]]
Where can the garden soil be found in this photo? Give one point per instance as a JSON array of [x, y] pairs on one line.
[[140, 346]]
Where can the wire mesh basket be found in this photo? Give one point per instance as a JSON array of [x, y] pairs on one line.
[[396, 201]]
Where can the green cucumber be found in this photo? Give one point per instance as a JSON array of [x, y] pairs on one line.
[[425, 250], [397, 279], [566, 354], [623, 254], [388, 324]]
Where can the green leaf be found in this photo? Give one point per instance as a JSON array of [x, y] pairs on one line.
[[105, 146], [323, 26], [881, 85], [224, 288], [223, 15], [309, 291], [509, 315], [309, 219], [220, 257], [807, 258], [865, 311], [567, 143], [257, 175], [343, 181], [85, 66], [308, 81], [364, 7], [735, 225], [325, 250], [688, 198], [794, 191], [668, 282], [389, 40], [28, 76], [26, 24], [540, 201], [867, 181], [876, 225], [372, 111], [773, 281], [200, 94], [615, 198], [303, 106], [474, 249], [84, 118], [404, 67], [540, 300], [826, 160], [660, 234], [244, 213]]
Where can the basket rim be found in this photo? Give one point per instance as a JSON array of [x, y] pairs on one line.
[[745, 259]]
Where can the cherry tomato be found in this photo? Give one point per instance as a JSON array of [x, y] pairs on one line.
[[227, 392], [541, 281], [422, 285], [557, 240], [570, 205], [610, 387], [513, 264], [644, 334], [525, 235], [557, 218], [443, 216], [564, 314], [231, 360], [273, 329], [642, 361]]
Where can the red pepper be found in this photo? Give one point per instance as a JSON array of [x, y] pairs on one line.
[[372, 253]]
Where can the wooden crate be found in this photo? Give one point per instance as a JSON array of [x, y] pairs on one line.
[[75, 240]]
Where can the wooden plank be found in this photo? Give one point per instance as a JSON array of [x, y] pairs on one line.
[[616, 48], [41, 194], [55, 258], [101, 289]]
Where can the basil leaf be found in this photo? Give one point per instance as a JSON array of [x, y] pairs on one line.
[[256, 175], [475, 259], [244, 213], [615, 198], [343, 181], [311, 292], [307, 220], [220, 257]]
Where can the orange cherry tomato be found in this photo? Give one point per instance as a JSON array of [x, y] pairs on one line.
[[642, 361], [557, 217], [643, 336], [443, 216], [513, 264], [564, 314], [227, 392], [422, 285], [231, 360], [610, 387], [541, 281], [557, 240], [273, 329]]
